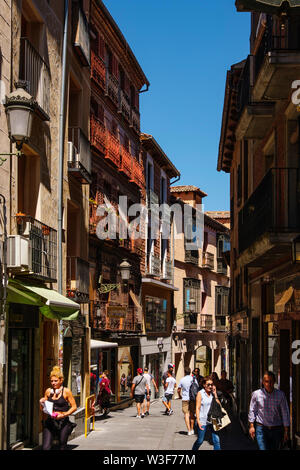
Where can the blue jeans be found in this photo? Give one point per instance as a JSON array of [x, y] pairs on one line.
[[201, 435], [268, 439]]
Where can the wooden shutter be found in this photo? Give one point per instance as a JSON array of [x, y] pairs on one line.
[[101, 47], [115, 67]]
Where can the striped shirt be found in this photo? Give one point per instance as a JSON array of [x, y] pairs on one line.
[[269, 409]]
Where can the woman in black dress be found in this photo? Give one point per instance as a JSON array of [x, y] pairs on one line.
[[58, 424]]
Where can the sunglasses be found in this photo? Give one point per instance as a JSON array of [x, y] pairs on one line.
[[209, 385]]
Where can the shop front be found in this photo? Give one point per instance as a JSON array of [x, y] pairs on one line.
[[156, 344], [32, 313]]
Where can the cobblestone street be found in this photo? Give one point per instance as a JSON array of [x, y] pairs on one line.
[[121, 430]]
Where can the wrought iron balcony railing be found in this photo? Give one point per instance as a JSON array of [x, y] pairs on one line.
[[35, 71], [221, 266], [278, 39], [168, 270], [208, 260], [272, 207], [79, 155], [43, 241], [154, 266], [191, 257], [101, 320], [190, 321], [77, 279], [206, 322]]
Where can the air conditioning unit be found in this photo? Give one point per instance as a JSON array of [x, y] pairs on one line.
[[18, 253], [72, 152]]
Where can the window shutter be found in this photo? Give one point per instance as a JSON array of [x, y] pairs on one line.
[[127, 86]]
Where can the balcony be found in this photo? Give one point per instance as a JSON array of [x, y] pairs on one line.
[[77, 279], [137, 174], [221, 266], [168, 270], [126, 162], [34, 70], [277, 61], [113, 149], [154, 266], [43, 242], [190, 321], [98, 74], [79, 155], [206, 322], [80, 34], [101, 320], [208, 261], [124, 106], [220, 323], [98, 135], [191, 257], [270, 217], [135, 120], [254, 119], [112, 88]]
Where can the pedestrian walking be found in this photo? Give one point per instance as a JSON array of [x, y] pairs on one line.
[[59, 404], [203, 405], [226, 387], [129, 380], [164, 378], [123, 383], [188, 407], [150, 379], [139, 384], [170, 384], [199, 378], [104, 394], [269, 416]]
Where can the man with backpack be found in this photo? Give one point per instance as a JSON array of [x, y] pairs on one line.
[[187, 390]]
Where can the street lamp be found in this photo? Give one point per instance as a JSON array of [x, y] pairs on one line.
[[125, 270], [19, 106]]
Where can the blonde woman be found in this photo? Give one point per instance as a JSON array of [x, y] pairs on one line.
[[58, 424]]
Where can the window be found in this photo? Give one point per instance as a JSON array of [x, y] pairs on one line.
[[222, 294], [156, 314], [191, 290]]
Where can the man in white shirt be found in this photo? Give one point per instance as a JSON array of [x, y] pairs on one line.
[[149, 378], [188, 407], [169, 385]]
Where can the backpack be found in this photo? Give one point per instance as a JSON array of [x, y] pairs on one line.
[[194, 389]]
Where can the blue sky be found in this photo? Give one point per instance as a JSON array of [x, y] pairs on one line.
[[185, 48]]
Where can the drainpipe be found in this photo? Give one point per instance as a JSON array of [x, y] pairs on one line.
[[61, 166], [4, 334]]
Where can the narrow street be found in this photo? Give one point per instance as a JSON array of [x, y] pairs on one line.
[[121, 430]]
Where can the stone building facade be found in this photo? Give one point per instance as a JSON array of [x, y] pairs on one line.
[[202, 276], [259, 147], [38, 316]]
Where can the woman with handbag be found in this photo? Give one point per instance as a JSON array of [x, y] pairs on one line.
[[204, 400], [104, 393], [62, 402]]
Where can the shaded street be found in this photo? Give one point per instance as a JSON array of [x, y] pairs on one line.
[[121, 430]]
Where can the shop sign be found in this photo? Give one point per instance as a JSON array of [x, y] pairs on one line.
[[116, 311]]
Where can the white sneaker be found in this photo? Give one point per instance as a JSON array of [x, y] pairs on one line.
[[190, 433], [138, 416]]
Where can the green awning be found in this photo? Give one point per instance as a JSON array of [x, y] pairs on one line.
[[52, 304]]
